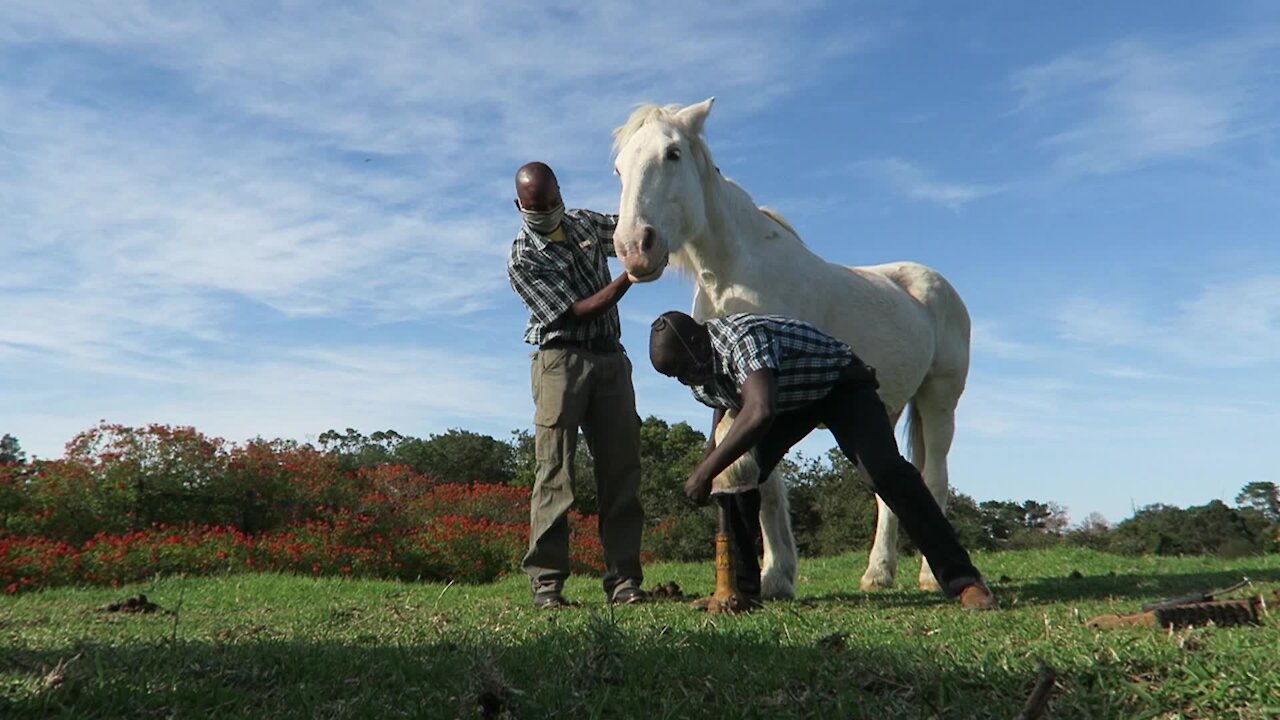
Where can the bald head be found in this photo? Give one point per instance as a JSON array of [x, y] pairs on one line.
[[680, 347], [537, 188]]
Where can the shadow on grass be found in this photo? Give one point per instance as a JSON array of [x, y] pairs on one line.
[[1039, 591], [591, 670], [1142, 586]]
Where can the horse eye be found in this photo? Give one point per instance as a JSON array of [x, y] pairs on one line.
[[673, 153]]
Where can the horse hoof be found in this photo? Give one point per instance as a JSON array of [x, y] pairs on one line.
[[871, 582], [931, 584], [773, 587]]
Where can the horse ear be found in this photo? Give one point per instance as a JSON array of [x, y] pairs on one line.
[[694, 116]]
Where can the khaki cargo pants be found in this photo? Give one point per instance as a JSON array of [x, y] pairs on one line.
[[575, 388]]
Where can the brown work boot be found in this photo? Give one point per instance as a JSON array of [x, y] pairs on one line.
[[977, 596]]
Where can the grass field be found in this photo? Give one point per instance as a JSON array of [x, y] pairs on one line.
[[287, 647]]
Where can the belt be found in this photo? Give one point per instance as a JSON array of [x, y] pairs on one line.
[[595, 345], [858, 372]]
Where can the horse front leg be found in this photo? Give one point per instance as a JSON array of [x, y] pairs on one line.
[[778, 578], [778, 572]]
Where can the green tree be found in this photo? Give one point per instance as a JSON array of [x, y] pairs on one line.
[[1094, 532], [832, 509], [357, 451], [668, 454], [458, 456], [1018, 525], [1261, 496], [1210, 529], [970, 522], [11, 451]]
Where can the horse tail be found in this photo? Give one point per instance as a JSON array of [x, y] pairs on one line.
[[913, 431]]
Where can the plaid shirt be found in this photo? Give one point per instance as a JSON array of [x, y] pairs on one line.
[[806, 360], [551, 275]]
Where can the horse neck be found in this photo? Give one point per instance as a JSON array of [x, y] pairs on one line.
[[742, 248]]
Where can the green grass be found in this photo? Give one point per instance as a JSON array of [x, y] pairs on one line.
[[284, 647]]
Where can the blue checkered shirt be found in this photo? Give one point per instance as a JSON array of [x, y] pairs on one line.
[[805, 360], [551, 275]]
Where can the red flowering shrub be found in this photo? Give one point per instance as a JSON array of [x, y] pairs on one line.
[[29, 562], [463, 549], [127, 503], [499, 503]]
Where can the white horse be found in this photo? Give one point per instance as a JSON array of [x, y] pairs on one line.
[[902, 318]]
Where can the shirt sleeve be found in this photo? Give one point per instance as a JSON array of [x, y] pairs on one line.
[[542, 286], [755, 350], [602, 227]]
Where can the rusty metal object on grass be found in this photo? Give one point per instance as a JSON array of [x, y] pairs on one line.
[[1217, 612]]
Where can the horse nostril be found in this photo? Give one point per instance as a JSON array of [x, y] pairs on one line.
[[646, 241]]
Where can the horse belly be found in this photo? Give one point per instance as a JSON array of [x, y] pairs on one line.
[[888, 328]]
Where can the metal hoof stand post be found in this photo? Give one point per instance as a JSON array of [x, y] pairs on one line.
[[726, 600]]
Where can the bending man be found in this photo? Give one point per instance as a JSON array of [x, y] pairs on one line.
[[784, 377]]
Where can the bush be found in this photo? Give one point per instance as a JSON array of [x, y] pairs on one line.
[[685, 537], [130, 502]]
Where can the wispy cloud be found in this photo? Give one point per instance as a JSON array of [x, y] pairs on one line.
[[916, 183], [296, 392], [1131, 103], [1231, 323], [987, 338], [167, 168]]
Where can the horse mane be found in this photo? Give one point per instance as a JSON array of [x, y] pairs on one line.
[[777, 217], [647, 112], [639, 118]]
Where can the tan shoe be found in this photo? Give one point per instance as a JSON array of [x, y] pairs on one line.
[[977, 596]]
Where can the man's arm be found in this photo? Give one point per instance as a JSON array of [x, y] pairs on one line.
[[593, 306], [759, 404]]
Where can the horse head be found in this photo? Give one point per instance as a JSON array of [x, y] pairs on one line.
[[663, 164]]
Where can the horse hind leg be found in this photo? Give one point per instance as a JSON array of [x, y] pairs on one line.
[[935, 409], [882, 563]]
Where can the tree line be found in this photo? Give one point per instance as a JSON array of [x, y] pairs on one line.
[[832, 509]]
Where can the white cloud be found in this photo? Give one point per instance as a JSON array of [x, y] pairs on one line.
[[986, 337], [166, 169], [1134, 102], [1093, 321], [297, 392], [915, 183], [1228, 324]]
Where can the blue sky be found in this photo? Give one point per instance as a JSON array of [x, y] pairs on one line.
[[272, 219]]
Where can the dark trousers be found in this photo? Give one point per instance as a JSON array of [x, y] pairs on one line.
[[854, 414]]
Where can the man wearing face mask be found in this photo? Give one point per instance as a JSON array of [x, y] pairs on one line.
[[581, 378]]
